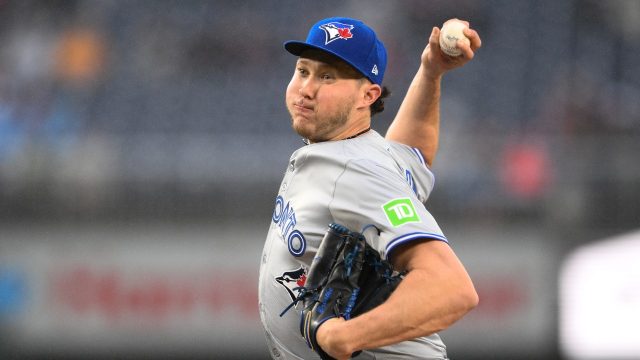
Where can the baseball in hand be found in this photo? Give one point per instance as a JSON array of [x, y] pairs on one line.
[[450, 33]]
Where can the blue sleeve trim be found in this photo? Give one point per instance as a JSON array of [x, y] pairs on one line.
[[419, 154], [410, 237]]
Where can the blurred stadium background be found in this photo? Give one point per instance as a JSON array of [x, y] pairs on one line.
[[142, 144]]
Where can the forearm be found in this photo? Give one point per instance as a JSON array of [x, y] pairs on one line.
[[412, 311], [417, 123], [435, 293]]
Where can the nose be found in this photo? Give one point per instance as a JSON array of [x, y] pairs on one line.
[[307, 88]]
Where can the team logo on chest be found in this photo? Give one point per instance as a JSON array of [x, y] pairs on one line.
[[335, 30], [284, 216]]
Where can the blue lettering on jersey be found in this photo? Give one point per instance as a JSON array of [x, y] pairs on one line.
[[285, 217]]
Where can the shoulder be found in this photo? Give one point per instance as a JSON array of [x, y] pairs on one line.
[[410, 153], [417, 171], [370, 148]]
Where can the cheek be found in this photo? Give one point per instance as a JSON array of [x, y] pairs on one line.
[[291, 89], [330, 101]]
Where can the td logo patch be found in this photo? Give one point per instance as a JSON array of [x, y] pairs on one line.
[[400, 211]]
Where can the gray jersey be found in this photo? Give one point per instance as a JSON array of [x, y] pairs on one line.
[[356, 183]]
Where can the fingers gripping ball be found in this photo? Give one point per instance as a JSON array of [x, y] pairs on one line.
[[451, 33]]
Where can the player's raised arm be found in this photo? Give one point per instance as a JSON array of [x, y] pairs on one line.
[[417, 122]]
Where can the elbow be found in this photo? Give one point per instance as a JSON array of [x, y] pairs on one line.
[[469, 299], [429, 155], [472, 299], [429, 161], [463, 300]]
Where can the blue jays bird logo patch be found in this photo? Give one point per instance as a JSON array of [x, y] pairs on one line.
[[291, 280], [335, 30]]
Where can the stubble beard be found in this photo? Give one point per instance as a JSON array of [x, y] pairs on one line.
[[322, 126]]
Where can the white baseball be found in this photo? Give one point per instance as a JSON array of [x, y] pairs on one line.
[[450, 33]]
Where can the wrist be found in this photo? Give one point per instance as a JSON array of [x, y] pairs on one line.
[[345, 339], [430, 74], [334, 337]]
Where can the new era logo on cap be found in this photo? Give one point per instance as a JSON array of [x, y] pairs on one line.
[[335, 30]]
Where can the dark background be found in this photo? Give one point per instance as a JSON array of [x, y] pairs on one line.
[[138, 113]]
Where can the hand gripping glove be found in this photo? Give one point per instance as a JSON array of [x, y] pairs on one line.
[[346, 278]]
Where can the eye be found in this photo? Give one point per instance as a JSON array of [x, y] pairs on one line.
[[302, 71], [326, 76]]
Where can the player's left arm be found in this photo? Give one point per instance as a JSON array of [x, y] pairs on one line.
[[417, 122], [436, 292]]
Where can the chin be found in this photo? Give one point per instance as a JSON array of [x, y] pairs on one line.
[[304, 130], [305, 133]]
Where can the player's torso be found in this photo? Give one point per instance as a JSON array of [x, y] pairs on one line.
[[299, 220]]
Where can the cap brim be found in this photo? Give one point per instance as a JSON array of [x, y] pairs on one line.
[[298, 47]]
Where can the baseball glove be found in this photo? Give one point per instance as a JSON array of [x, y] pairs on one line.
[[346, 278]]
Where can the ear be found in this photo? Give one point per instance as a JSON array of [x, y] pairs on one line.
[[370, 93]]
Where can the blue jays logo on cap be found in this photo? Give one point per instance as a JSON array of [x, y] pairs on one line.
[[335, 30], [361, 47]]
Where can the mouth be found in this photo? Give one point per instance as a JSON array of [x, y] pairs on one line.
[[302, 107]]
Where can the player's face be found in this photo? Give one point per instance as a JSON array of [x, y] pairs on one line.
[[321, 96]]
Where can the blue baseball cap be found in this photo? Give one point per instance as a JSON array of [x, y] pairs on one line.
[[350, 40]]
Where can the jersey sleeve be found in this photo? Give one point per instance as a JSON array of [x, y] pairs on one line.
[[367, 194], [417, 172]]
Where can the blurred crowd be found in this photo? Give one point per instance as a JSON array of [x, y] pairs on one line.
[[169, 109]]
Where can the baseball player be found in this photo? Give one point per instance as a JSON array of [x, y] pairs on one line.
[[351, 175]]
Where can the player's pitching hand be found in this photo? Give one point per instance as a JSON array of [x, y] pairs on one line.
[[329, 339], [436, 62]]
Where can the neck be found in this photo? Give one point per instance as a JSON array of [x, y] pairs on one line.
[[358, 133], [359, 124], [345, 137]]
